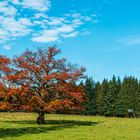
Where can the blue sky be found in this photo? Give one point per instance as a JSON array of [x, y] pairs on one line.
[[102, 35]]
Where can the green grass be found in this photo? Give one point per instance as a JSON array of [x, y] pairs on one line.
[[22, 126]]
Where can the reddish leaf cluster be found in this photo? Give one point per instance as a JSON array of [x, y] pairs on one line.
[[37, 81]]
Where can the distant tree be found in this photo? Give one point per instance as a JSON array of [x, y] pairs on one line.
[[137, 104], [128, 96], [97, 92], [101, 98], [112, 97], [91, 96], [44, 84]]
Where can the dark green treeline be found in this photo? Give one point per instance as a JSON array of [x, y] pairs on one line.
[[112, 98]]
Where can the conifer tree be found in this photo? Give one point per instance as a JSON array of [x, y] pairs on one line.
[[128, 96], [111, 97], [89, 91], [100, 98]]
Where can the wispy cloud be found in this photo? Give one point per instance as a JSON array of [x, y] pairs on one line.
[[115, 49], [130, 40], [46, 36], [16, 22], [6, 9], [38, 5], [73, 34], [7, 47], [54, 28]]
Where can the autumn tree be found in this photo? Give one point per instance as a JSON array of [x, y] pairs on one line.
[[11, 95], [48, 84], [4, 84]]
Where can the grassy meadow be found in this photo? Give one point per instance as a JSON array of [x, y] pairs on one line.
[[22, 126]]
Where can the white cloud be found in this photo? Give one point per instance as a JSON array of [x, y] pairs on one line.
[[25, 22], [65, 29], [15, 2], [53, 34], [47, 36], [3, 36], [39, 5], [15, 23], [60, 27], [74, 34], [77, 22], [76, 15], [40, 15], [6, 9], [13, 27], [56, 21]]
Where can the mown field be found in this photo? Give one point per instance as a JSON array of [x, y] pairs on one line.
[[22, 126]]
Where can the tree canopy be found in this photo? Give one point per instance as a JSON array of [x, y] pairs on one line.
[[41, 83]]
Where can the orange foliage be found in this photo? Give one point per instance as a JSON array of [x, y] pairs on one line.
[[37, 81]]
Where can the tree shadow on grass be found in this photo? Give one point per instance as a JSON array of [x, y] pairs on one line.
[[51, 125], [56, 122]]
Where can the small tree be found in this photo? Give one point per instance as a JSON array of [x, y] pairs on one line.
[[46, 84]]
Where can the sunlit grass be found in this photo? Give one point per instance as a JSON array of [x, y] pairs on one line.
[[22, 126]]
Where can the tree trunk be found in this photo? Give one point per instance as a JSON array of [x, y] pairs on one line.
[[41, 118]]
